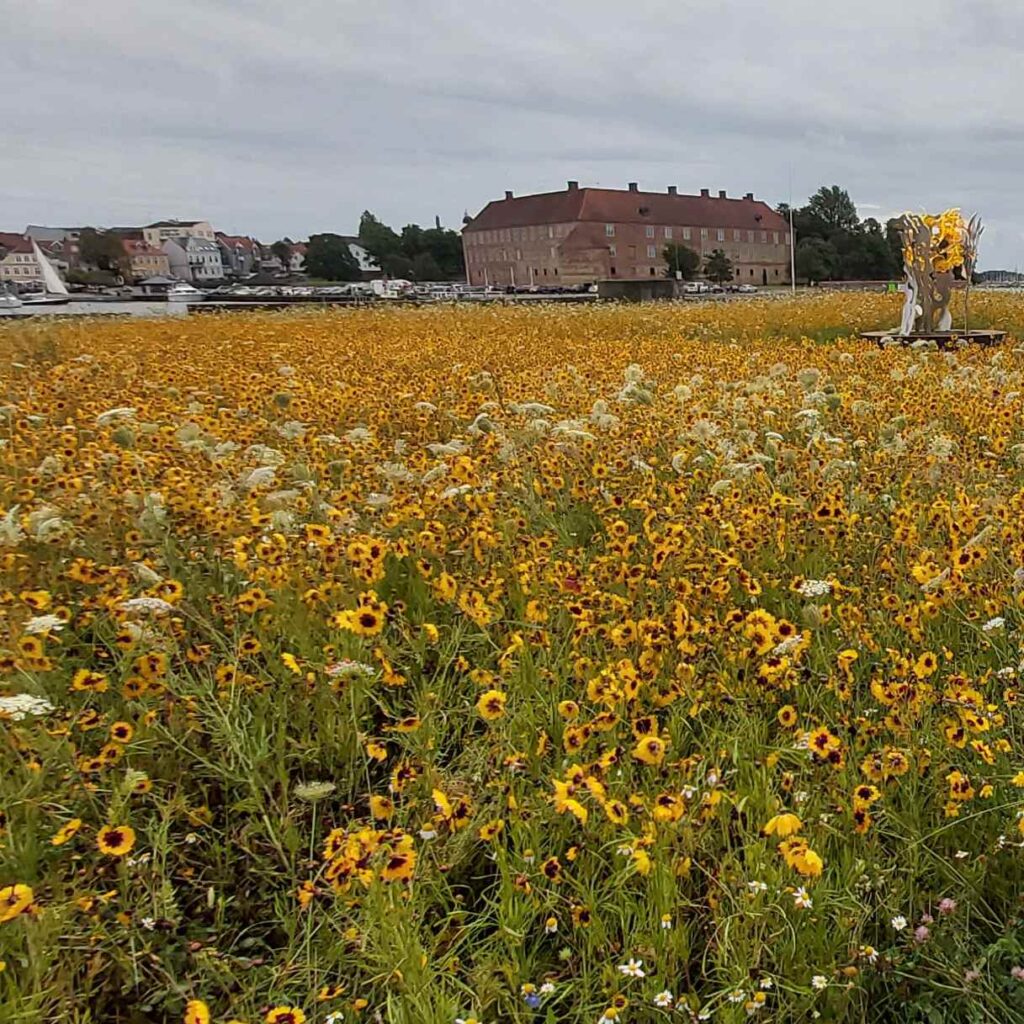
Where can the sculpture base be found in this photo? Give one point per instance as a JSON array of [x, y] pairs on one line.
[[944, 339]]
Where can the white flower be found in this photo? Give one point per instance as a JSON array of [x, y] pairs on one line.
[[899, 922], [815, 588], [993, 624], [350, 670], [961, 854], [21, 704], [802, 900], [767, 983], [156, 605], [869, 953], [44, 624], [546, 989], [124, 412], [757, 886], [632, 968], [666, 921], [149, 923], [737, 996], [818, 982], [664, 999], [427, 834]]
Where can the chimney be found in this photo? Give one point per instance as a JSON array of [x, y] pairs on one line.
[[721, 193], [705, 193], [749, 195], [508, 193], [573, 186], [633, 186], [672, 190]]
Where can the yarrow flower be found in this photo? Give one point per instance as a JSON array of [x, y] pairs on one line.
[[20, 705], [44, 624], [815, 588], [993, 624]]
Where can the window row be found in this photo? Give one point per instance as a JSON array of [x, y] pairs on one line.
[[705, 233]]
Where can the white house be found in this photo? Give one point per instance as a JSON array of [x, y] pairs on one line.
[[194, 259]]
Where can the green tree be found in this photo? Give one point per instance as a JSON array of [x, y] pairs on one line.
[[834, 207], [718, 267], [682, 259], [103, 250], [816, 259], [283, 251], [425, 268], [329, 257], [378, 239]]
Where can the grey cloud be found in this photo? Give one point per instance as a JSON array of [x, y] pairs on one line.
[[280, 119]]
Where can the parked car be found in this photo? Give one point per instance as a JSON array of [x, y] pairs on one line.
[[746, 289]]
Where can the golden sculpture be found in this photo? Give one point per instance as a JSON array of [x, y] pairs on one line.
[[936, 251]]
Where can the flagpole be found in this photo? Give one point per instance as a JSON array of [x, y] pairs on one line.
[[792, 237]]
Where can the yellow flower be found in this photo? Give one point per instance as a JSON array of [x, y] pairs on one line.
[[285, 1015], [491, 704], [782, 825], [115, 840], [196, 1012], [66, 832], [650, 750], [14, 900]]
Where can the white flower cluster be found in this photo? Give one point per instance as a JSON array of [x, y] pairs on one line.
[[153, 605], [21, 704], [815, 588], [44, 624], [350, 670]]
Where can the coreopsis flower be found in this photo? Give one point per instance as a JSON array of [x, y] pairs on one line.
[[285, 1015], [14, 900], [66, 832], [196, 1012], [491, 704], [115, 840]]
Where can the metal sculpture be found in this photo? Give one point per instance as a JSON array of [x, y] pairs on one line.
[[936, 251]]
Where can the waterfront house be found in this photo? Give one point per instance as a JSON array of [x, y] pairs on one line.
[[145, 260], [194, 259], [158, 232], [240, 254]]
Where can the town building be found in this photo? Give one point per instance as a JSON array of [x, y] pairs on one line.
[[297, 258], [19, 265], [158, 232], [145, 260], [42, 233], [240, 254], [194, 259], [580, 235]]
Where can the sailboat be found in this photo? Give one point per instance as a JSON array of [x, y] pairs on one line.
[[55, 292]]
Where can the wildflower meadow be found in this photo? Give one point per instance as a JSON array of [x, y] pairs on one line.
[[610, 665]]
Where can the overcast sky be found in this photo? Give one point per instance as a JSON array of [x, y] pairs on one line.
[[274, 117]]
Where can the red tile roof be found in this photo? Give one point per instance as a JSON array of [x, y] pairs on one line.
[[616, 206], [10, 240], [238, 241], [16, 244]]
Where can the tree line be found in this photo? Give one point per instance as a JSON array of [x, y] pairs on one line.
[[834, 244], [415, 253]]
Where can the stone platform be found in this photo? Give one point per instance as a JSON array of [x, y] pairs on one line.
[[944, 339]]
